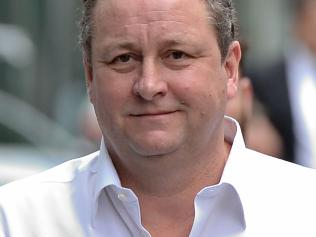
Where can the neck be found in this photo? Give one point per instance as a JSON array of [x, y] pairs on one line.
[[172, 174], [166, 186]]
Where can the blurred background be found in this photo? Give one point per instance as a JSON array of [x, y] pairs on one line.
[[44, 112], [43, 103]]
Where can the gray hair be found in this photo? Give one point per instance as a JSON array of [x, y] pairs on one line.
[[222, 15]]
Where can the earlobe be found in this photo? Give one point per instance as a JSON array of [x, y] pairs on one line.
[[88, 76], [232, 67]]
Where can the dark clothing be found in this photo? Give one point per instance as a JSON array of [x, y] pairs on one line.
[[271, 89]]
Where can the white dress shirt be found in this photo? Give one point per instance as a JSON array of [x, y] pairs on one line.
[[257, 196], [301, 71]]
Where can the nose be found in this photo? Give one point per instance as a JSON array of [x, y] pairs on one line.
[[150, 83]]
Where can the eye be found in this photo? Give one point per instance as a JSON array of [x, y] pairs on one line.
[[124, 58], [124, 62], [177, 55], [177, 59]]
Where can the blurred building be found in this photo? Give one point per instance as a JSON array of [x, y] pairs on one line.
[[41, 86]]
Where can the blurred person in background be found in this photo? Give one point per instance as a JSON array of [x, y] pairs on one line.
[[159, 74], [258, 131], [87, 123], [287, 89]]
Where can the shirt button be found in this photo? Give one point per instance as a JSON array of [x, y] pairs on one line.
[[122, 196]]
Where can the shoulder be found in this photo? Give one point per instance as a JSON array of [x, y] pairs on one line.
[[279, 182], [278, 194], [49, 203], [278, 168], [61, 175]]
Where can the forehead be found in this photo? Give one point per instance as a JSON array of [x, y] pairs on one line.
[[144, 11], [151, 23]]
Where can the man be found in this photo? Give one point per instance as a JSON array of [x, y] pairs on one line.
[[159, 74], [252, 118], [287, 88]]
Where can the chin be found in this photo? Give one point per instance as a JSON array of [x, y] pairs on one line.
[[155, 142], [152, 148]]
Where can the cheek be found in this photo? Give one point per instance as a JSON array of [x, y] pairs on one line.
[[103, 108], [201, 92], [109, 96], [110, 87]]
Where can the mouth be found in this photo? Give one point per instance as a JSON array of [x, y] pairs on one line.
[[152, 114]]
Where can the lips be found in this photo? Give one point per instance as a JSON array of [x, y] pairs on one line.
[[153, 113]]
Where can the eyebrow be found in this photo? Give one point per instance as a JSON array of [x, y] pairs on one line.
[[119, 44], [173, 42], [134, 46], [168, 41], [172, 38]]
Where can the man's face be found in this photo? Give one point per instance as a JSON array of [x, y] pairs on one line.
[[307, 23], [156, 79]]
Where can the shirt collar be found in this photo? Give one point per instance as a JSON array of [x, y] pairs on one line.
[[235, 165], [105, 176], [234, 136], [105, 171]]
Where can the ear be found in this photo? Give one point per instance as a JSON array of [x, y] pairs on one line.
[[89, 76], [231, 65]]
